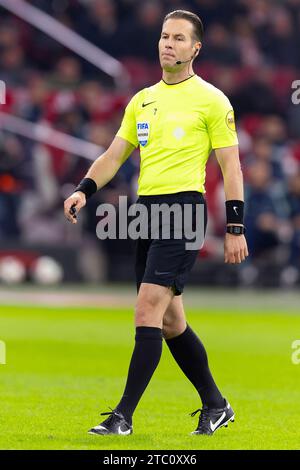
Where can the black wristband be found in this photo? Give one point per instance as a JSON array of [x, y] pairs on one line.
[[235, 212], [87, 186]]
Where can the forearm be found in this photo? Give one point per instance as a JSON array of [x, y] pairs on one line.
[[233, 184], [235, 246], [102, 170], [228, 159], [234, 195], [108, 164]]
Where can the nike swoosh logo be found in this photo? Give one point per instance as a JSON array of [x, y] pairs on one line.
[[158, 272], [235, 208], [146, 104], [214, 426], [123, 432]]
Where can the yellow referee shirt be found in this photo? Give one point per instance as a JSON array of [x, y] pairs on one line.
[[176, 127]]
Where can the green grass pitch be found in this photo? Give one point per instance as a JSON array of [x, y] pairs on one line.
[[65, 366]]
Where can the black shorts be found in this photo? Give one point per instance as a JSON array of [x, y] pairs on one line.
[[168, 262]]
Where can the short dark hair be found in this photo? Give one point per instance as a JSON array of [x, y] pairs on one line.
[[191, 17]]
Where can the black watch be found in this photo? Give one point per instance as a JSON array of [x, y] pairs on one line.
[[236, 229]]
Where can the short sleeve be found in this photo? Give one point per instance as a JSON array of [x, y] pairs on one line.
[[221, 122], [128, 126]]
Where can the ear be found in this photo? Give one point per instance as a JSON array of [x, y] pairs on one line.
[[197, 48]]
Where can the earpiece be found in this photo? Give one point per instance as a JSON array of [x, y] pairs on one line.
[[197, 49]]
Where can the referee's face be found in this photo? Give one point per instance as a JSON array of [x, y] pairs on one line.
[[176, 43]]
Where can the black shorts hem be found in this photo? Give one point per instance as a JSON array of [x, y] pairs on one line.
[[177, 289]]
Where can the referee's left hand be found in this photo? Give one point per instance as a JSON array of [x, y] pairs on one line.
[[235, 248]]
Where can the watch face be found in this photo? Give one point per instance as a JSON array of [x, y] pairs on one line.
[[235, 230]]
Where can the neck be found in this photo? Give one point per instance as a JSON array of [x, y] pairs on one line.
[[175, 77]]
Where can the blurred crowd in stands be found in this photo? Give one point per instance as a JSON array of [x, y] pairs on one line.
[[251, 51]]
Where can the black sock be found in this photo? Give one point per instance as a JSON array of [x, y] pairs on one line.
[[144, 360], [189, 353]]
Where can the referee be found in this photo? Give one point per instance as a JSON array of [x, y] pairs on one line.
[[176, 123]]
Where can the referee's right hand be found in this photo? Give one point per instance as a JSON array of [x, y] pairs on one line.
[[73, 204]]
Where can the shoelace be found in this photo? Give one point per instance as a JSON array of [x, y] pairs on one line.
[[195, 412], [112, 414], [203, 423], [108, 412]]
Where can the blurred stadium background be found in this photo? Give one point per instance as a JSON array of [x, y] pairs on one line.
[[250, 51], [68, 346]]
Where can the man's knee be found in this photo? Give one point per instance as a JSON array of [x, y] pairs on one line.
[[151, 305], [148, 311], [173, 327], [143, 312]]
